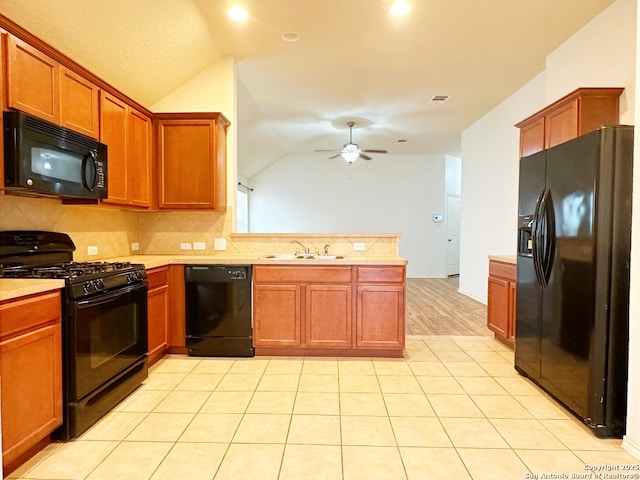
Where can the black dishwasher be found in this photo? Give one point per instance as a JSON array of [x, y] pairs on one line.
[[218, 310]]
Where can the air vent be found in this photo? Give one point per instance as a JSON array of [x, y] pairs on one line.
[[402, 140], [439, 99]]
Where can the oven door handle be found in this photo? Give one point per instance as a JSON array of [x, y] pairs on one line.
[[108, 297]]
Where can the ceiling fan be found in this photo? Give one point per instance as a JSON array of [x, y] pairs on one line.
[[351, 151]]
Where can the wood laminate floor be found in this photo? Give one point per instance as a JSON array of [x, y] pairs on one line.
[[435, 307]]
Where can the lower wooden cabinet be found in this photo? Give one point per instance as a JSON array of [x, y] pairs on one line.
[[501, 301], [380, 318], [329, 310], [157, 313], [30, 372]]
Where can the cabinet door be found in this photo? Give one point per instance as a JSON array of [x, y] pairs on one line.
[[561, 124], [32, 80], [158, 313], [498, 306], [276, 315], [138, 158], [78, 103], [31, 372], [532, 137], [380, 316], [191, 153], [113, 127], [328, 315]]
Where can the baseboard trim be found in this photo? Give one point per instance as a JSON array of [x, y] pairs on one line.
[[631, 446]]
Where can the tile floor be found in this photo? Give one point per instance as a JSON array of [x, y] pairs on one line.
[[454, 408]]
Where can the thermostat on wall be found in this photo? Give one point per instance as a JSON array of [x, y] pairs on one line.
[[438, 218]]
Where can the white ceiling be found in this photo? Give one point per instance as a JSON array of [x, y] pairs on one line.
[[354, 61]]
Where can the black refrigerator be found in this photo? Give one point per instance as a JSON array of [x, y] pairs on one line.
[[572, 297]]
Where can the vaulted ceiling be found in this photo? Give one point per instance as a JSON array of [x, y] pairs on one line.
[[354, 61]]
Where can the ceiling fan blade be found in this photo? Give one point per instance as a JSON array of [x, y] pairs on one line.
[[332, 150], [374, 151], [365, 157], [335, 156]]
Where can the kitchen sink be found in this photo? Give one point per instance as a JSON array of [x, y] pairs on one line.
[[302, 256]]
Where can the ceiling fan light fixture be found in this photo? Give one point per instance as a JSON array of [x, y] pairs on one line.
[[400, 8], [350, 152]]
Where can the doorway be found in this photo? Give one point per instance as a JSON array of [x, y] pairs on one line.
[[453, 235]]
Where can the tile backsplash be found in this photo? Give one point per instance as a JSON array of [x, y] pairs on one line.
[[113, 230], [110, 229]]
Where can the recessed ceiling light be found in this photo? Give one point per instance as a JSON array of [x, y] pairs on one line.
[[238, 13], [290, 37], [400, 7]]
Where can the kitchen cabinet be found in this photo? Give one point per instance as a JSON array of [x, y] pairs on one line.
[[191, 160], [329, 310], [31, 372], [127, 133], [501, 301], [39, 85], [157, 313], [177, 324], [579, 112], [302, 306], [380, 320]]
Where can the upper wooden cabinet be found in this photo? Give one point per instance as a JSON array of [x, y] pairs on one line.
[[575, 114], [127, 133], [39, 85], [78, 103], [191, 160]]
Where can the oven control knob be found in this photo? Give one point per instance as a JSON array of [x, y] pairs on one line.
[[131, 277], [98, 284], [88, 288]]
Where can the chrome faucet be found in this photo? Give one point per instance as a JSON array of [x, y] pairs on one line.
[[304, 249], [326, 249]]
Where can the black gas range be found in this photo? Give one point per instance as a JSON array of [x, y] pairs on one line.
[[104, 322]]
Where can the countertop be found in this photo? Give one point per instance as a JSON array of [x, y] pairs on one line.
[[11, 288], [503, 258], [20, 287]]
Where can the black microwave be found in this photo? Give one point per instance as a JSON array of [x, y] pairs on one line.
[[44, 159]]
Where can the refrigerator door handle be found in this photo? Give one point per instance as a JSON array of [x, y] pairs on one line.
[[536, 236], [549, 236]]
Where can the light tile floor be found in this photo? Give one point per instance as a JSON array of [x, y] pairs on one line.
[[453, 408]]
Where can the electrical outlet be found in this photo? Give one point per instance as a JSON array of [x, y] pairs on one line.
[[135, 247], [92, 250], [185, 246], [199, 245], [358, 247], [220, 244]]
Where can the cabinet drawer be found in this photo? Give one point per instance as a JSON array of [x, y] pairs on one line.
[[158, 277], [502, 270], [17, 316], [301, 274], [380, 274]]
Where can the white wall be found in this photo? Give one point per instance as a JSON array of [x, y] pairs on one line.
[[601, 54], [490, 186], [632, 438], [389, 194]]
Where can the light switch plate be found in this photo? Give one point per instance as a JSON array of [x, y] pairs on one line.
[[185, 246], [220, 244], [199, 245], [92, 250], [358, 247], [135, 247]]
